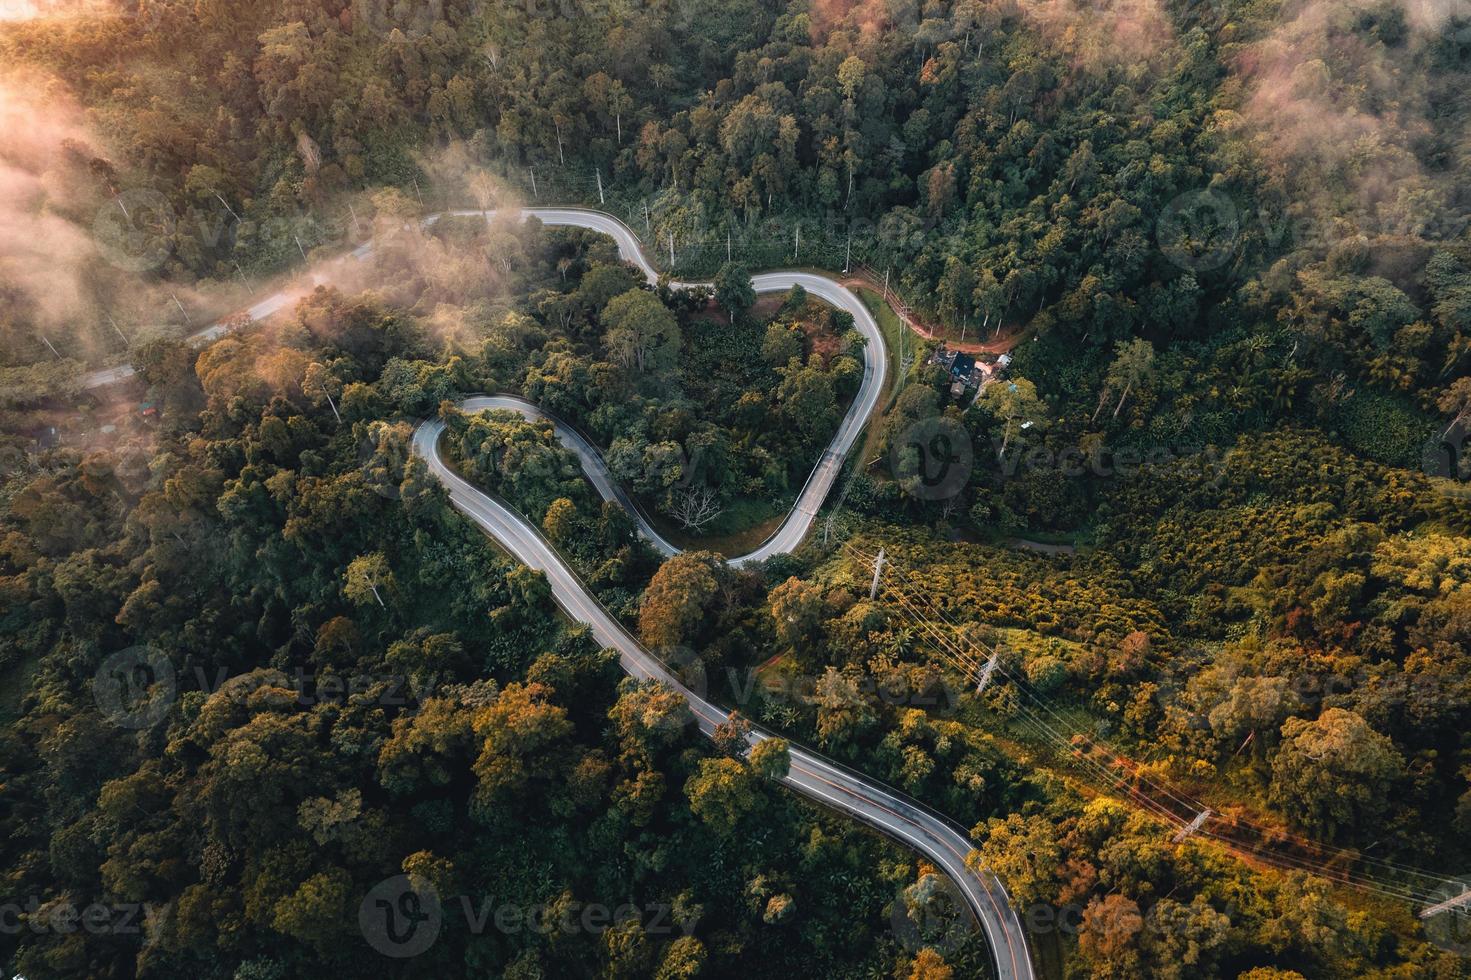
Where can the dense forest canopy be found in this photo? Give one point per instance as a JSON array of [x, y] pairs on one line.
[[1206, 536]]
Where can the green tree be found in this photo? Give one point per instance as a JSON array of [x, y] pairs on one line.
[[641, 332], [1017, 406], [603, 282], [677, 604], [1132, 366], [956, 288], [683, 958], [843, 712], [561, 522], [649, 717], [368, 575], [772, 758], [320, 385], [722, 793], [1024, 852], [733, 290], [808, 400], [316, 911], [1455, 401], [1335, 774], [928, 964], [782, 343], [797, 614], [1108, 937], [1183, 940], [522, 736], [627, 949]]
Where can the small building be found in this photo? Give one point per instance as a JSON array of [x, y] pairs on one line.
[[964, 371], [962, 368]]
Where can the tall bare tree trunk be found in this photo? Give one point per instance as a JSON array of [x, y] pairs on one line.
[[1127, 388]]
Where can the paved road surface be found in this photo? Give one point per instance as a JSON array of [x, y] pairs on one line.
[[939, 839], [811, 775]]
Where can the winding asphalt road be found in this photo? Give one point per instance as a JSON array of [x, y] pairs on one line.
[[941, 840]]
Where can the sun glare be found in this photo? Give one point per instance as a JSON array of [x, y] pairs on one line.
[[13, 10]]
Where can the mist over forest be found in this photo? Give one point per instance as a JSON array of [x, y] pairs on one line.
[[1130, 341]]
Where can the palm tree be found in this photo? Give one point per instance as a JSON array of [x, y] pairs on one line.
[[900, 643]]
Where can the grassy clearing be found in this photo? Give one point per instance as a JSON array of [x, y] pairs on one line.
[[892, 329], [739, 529]]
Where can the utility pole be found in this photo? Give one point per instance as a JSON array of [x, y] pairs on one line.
[[671, 253], [48, 344], [599, 175], [878, 567], [241, 273], [797, 243], [988, 670], [417, 192], [122, 208], [187, 320], [298, 246], [648, 225], [727, 245], [848, 256], [886, 285], [357, 228], [1194, 825], [533, 182]]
